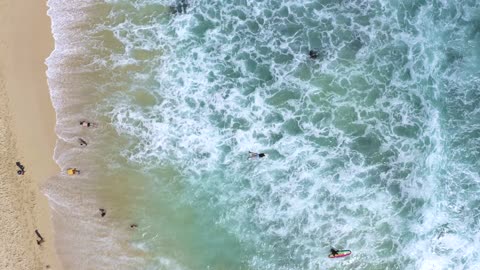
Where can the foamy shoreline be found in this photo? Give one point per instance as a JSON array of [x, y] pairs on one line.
[[28, 124]]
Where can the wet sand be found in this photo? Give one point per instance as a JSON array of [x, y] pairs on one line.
[[27, 135]]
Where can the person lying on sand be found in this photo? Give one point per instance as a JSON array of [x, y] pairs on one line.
[[73, 171]]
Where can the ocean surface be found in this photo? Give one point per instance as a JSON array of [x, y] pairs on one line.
[[374, 146]]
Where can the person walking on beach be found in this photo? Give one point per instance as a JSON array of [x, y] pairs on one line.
[[39, 242], [103, 212], [22, 168]]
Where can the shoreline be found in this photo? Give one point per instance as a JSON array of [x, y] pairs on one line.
[[25, 43]]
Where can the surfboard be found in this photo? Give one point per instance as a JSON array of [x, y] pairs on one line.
[[341, 253]]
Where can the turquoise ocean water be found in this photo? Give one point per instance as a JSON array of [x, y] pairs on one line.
[[374, 146]]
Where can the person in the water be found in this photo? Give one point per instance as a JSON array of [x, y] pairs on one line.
[[334, 251], [256, 155], [313, 54], [181, 7], [87, 124], [82, 142]]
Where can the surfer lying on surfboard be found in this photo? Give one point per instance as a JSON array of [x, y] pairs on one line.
[[335, 253]]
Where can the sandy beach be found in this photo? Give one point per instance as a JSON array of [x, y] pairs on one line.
[[27, 119]]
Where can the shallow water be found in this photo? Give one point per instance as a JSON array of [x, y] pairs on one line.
[[372, 147]]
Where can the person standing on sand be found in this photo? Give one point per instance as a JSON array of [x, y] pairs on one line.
[[39, 242]]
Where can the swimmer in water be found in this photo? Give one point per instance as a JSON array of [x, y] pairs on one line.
[[256, 155], [87, 124], [313, 54], [82, 142]]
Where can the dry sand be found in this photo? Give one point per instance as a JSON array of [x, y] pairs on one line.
[[27, 122]]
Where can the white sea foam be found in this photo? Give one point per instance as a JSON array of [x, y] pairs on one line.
[[359, 140]]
